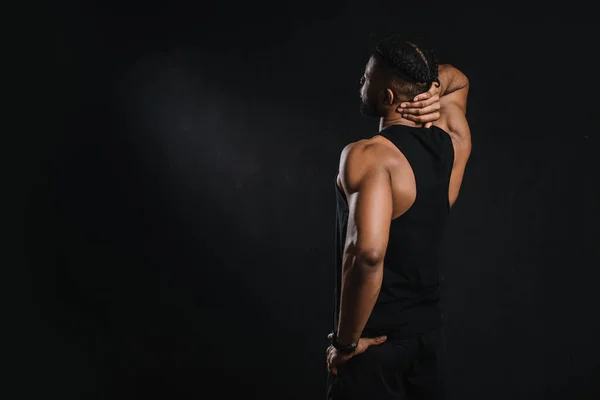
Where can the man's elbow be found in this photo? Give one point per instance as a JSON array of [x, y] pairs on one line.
[[459, 79], [370, 258]]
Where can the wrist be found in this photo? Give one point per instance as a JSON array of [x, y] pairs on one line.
[[346, 347]]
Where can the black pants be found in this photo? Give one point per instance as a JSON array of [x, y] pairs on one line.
[[399, 369]]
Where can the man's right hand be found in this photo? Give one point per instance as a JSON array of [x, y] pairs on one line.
[[424, 109], [335, 359]]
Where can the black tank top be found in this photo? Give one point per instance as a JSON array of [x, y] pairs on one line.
[[408, 303]]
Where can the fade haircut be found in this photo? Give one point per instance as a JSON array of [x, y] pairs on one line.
[[412, 66]]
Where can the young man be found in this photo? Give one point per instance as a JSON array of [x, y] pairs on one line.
[[394, 194]]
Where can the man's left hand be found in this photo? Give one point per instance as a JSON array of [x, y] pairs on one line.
[[425, 107], [335, 358]]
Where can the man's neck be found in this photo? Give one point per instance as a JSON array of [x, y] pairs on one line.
[[397, 119]]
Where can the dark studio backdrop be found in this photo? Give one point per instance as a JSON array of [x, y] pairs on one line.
[[179, 226]]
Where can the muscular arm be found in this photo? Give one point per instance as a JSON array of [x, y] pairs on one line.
[[446, 108], [454, 89], [368, 190]]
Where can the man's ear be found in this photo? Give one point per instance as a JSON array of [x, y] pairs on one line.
[[388, 97]]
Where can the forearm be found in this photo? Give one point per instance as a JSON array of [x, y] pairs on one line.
[[361, 283], [451, 79]]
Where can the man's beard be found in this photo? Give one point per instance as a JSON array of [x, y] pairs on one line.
[[368, 110]]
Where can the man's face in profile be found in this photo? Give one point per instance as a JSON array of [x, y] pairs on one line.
[[368, 95]]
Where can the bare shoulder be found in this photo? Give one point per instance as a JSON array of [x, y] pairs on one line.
[[359, 158], [364, 152]]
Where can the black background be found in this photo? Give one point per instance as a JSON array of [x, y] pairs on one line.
[[180, 219]]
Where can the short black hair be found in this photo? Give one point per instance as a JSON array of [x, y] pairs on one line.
[[413, 66]]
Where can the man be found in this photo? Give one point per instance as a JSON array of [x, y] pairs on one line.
[[394, 194]]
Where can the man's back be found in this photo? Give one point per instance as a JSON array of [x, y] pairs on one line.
[[420, 163]]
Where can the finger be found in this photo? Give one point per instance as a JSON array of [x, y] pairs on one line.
[[432, 109], [428, 125], [328, 350], [423, 119], [381, 339], [422, 111], [372, 342], [330, 366], [433, 90], [330, 336], [425, 95], [420, 103], [378, 340]]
